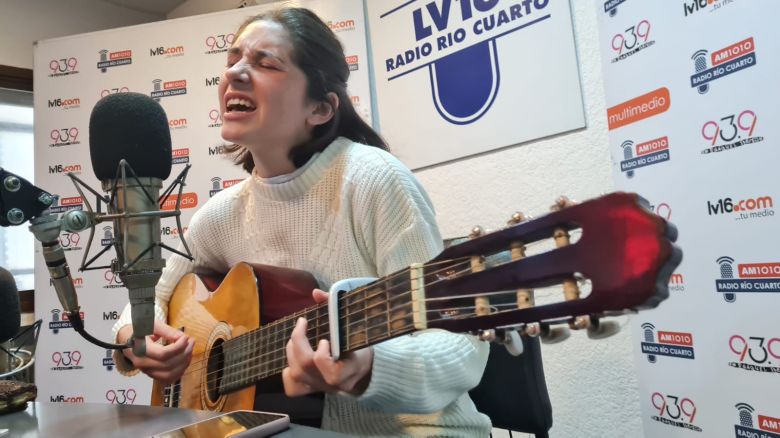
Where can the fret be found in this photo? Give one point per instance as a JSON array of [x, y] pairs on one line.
[[270, 336], [243, 355], [266, 352], [281, 335], [355, 333], [289, 325], [317, 328], [376, 315], [311, 328], [235, 365], [272, 358], [367, 316], [260, 354], [323, 325], [235, 370], [284, 333], [250, 357], [399, 306], [269, 344], [419, 310]]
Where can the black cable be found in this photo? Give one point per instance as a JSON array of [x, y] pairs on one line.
[[78, 326]]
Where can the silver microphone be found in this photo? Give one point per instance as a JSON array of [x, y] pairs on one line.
[[139, 262], [130, 149]]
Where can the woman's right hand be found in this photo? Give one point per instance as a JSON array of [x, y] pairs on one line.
[[165, 363]]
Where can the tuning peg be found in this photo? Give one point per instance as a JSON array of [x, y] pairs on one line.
[[487, 335], [602, 329], [580, 322], [476, 232], [562, 202], [516, 218], [513, 342], [554, 335]]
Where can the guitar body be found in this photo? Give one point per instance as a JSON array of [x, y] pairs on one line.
[[211, 317], [212, 310]]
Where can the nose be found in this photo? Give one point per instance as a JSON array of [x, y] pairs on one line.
[[237, 72]]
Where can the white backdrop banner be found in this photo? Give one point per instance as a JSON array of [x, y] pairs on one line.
[[458, 78], [694, 125], [178, 62]]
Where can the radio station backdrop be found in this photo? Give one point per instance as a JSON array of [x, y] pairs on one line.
[[455, 79], [179, 63], [691, 89]]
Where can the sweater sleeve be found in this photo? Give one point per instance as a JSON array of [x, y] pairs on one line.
[[425, 372], [175, 268]]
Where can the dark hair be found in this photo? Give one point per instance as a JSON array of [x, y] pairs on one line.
[[319, 54]]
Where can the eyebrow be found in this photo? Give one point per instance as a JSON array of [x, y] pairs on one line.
[[257, 54]]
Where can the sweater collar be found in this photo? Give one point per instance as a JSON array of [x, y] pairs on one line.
[[295, 184]]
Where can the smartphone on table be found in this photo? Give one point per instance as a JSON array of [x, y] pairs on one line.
[[237, 424]]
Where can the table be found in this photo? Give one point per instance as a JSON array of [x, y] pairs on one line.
[[87, 420]]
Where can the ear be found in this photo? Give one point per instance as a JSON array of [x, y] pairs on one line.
[[324, 110]]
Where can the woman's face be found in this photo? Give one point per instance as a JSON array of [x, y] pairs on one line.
[[263, 93]]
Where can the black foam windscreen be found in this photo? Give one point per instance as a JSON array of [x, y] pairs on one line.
[[132, 126], [9, 306]]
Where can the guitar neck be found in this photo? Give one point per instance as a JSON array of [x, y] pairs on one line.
[[636, 257], [367, 315]]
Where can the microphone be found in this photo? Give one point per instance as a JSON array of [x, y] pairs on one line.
[[124, 128], [9, 306], [130, 148], [9, 316]]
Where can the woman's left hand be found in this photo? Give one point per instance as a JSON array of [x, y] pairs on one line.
[[311, 371]]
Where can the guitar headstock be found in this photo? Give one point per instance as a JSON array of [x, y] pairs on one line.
[[625, 253]]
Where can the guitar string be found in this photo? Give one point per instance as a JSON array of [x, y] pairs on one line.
[[381, 292], [368, 338], [367, 341], [174, 390], [241, 344], [362, 289], [291, 319], [285, 330]]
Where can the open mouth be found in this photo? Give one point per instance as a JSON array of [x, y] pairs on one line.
[[239, 105]]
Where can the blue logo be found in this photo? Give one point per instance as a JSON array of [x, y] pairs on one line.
[[108, 360], [610, 6], [464, 79], [750, 278], [728, 60], [766, 427], [671, 344]]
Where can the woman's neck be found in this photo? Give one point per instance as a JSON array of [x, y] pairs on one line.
[[267, 166]]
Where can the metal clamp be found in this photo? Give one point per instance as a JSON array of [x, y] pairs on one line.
[[333, 308]]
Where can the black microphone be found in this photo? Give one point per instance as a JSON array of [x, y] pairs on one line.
[[10, 315], [130, 148]]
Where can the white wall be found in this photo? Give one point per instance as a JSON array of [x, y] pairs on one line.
[[22, 22], [196, 7], [593, 385]]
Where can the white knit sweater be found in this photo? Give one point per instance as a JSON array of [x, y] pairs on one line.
[[351, 211]]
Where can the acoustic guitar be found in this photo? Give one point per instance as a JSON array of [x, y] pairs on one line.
[[241, 323]]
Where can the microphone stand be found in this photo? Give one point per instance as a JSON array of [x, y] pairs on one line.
[[20, 200]]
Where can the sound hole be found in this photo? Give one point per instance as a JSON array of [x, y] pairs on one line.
[[214, 370]]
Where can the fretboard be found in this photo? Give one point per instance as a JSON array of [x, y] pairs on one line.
[[367, 315]]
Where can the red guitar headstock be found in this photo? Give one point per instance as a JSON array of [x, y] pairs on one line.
[[625, 251]]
